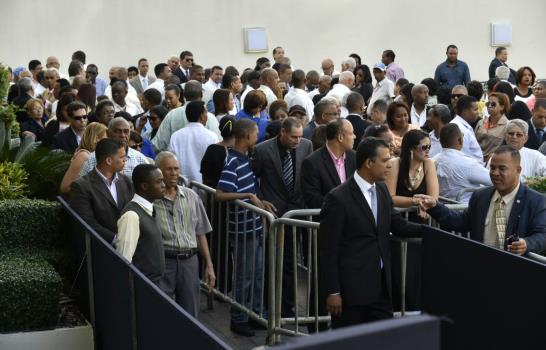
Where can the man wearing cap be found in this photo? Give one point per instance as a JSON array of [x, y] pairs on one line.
[[384, 88]]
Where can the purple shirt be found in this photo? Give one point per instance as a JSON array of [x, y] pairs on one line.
[[394, 72]]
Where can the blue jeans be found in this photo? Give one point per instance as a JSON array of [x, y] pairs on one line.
[[247, 279]]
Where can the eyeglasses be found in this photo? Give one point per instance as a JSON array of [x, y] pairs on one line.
[[456, 95], [491, 104], [424, 147], [79, 117]]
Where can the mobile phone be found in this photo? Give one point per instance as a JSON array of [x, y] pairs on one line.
[[511, 239]]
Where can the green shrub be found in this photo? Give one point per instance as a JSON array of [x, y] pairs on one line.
[[30, 225], [4, 82], [537, 183], [29, 293], [12, 181]]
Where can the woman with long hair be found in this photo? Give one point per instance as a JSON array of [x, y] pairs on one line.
[[398, 121], [363, 82], [93, 133]]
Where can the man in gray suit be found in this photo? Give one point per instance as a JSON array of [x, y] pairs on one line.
[[99, 196], [277, 165], [142, 80]]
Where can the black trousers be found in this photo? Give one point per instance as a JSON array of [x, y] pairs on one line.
[[356, 314]]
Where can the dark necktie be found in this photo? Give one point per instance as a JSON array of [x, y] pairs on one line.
[[288, 172], [540, 133]]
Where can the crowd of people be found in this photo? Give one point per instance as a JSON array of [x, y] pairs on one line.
[[280, 138]]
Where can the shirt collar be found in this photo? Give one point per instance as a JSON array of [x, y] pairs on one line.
[[105, 179], [509, 197], [465, 123], [340, 159], [362, 184], [149, 207]]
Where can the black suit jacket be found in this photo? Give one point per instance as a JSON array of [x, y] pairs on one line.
[[92, 200], [65, 140], [267, 166], [180, 74], [319, 175], [532, 141], [495, 63], [359, 126], [352, 246], [527, 218]]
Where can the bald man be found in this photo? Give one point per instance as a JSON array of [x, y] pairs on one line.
[[418, 113], [269, 84], [346, 83], [327, 66]]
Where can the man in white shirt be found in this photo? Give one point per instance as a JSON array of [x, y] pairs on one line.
[[418, 114], [121, 102], [120, 73], [190, 143], [438, 116], [533, 163], [142, 80], [163, 73], [346, 82], [278, 54], [269, 80], [384, 88], [455, 170], [214, 83], [468, 112], [298, 96], [253, 83]]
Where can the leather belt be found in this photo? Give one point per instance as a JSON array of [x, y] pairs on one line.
[[182, 254]]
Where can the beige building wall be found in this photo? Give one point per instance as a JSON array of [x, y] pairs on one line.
[[119, 32]]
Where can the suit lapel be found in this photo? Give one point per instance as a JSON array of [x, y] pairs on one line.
[[358, 196], [330, 169], [515, 213], [102, 189], [277, 159]]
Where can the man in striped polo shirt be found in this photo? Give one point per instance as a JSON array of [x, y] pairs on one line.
[[237, 181]]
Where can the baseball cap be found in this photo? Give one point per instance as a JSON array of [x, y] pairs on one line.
[[380, 66]]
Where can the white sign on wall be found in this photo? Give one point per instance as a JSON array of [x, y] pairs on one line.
[[255, 39], [501, 34]]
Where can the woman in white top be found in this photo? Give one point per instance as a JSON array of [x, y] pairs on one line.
[[525, 78]]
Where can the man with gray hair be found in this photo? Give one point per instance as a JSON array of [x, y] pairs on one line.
[[503, 74], [348, 64], [182, 221], [176, 118], [119, 130], [346, 83]]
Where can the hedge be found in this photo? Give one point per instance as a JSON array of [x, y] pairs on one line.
[[29, 224], [29, 292]]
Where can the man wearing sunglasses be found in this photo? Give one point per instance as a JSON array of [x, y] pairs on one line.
[[69, 139], [183, 70]]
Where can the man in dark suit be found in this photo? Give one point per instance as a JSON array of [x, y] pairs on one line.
[[356, 107], [99, 196], [277, 165], [183, 70], [508, 208], [69, 139], [356, 219], [501, 56], [537, 125], [329, 166], [323, 112]]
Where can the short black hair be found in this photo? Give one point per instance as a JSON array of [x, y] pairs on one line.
[[390, 54], [141, 60], [142, 174], [367, 149], [334, 128], [215, 68], [243, 127], [79, 55], [289, 123], [33, 64], [451, 46], [74, 106], [505, 88], [357, 58], [475, 89], [153, 96], [183, 54], [158, 69], [253, 75], [275, 49], [132, 69], [499, 49], [298, 78], [354, 100], [194, 110], [173, 87], [514, 153], [159, 110], [464, 103], [432, 86], [449, 134], [228, 79], [74, 68], [106, 148], [101, 105], [540, 103]]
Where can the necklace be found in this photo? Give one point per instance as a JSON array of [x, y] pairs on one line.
[[414, 179]]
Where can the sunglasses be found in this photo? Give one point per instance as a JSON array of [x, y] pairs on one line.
[[491, 104], [424, 147], [456, 95], [80, 117], [136, 146], [188, 59]]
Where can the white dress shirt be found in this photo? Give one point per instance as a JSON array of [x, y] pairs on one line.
[[159, 85], [208, 90], [384, 90], [471, 147], [269, 94], [313, 93], [457, 171], [300, 97], [132, 95], [338, 92], [533, 163], [111, 186], [243, 95], [129, 228], [129, 107], [418, 119], [435, 145], [189, 144]]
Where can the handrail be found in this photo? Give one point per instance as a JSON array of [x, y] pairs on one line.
[[536, 257]]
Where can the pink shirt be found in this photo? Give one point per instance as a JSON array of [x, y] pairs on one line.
[[339, 163]]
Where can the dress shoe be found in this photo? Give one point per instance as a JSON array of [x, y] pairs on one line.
[[242, 328]]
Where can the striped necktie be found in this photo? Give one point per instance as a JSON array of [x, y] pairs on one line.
[[500, 221], [288, 171]]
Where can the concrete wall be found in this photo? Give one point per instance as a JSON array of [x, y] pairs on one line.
[[119, 32]]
